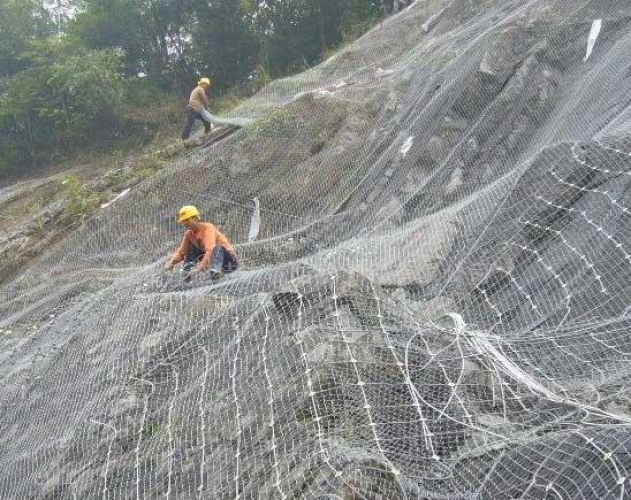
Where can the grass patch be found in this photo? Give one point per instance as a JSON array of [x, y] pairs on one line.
[[143, 168], [272, 121], [155, 429], [226, 102], [81, 200], [444, 57]]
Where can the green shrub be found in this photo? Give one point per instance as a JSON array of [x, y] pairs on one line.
[[81, 200]]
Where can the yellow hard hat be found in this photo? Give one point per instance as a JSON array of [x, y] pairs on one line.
[[204, 81], [187, 212]]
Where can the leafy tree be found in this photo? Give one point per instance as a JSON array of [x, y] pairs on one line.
[[224, 45], [153, 35], [66, 66], [298, 33], [173, 41], [61, 100], [21, 21], [359, 16]]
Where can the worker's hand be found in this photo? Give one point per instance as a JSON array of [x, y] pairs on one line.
[[168, 266]]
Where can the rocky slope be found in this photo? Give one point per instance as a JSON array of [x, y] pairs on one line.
[[436, 305]]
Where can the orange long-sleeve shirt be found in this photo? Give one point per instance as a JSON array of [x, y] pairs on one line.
[[198, 99], [205, 238]]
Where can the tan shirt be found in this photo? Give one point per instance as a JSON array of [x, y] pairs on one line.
[[198, 99], [205, 238]]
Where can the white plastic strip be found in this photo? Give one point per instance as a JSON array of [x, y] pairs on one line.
[[593, 35], [255, 223], [405, 149], [117, 197]]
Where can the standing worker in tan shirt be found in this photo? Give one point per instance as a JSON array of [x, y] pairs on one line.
[[203, 247], [197, 104]]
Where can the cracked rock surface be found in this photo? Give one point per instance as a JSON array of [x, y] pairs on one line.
[[436, 305]]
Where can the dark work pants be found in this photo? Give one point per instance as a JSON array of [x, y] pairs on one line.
[[189, 121], [220, 260]]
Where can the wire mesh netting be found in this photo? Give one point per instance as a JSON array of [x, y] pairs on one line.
[[434, 303]]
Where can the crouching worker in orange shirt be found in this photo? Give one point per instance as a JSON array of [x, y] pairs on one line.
[[203, 247]]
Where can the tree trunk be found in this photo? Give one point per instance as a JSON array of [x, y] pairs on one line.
[[322, 35]]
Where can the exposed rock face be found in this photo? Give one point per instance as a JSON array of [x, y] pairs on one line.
[[437, 304]]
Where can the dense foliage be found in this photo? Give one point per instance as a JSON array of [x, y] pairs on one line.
[[68, 67]]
